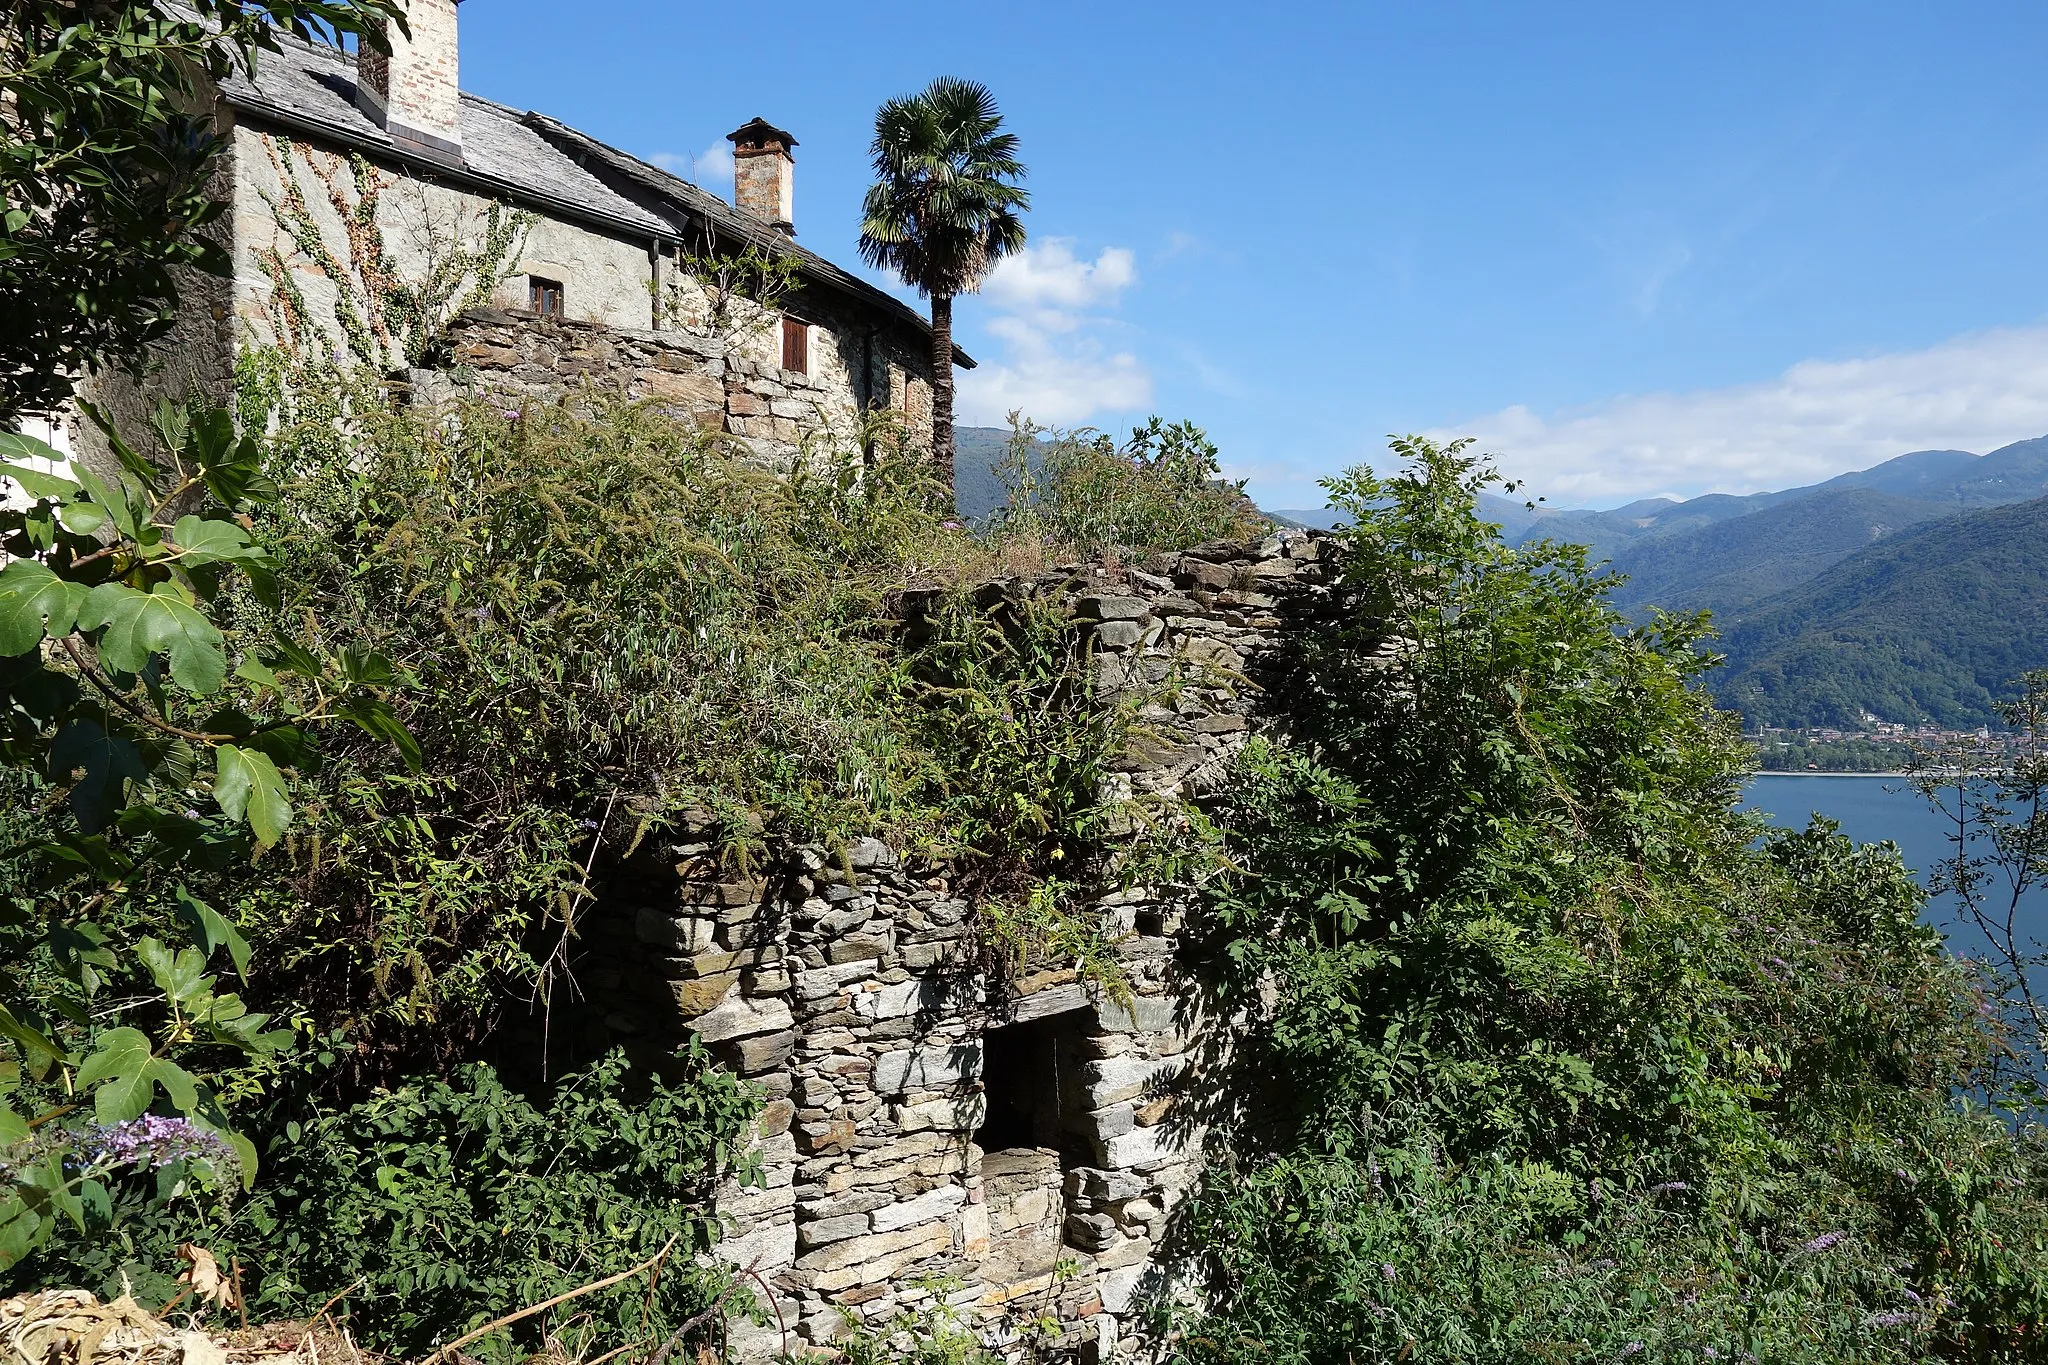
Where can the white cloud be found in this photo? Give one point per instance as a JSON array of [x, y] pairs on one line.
[[1059, 364], [1054, 385], [1818, 419], [712, 166], [1049, 276]]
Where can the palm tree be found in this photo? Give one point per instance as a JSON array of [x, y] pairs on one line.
[[943, 210]]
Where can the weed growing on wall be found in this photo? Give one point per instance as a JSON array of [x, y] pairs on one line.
[[602, 621], [733, 296], [1160, 490]]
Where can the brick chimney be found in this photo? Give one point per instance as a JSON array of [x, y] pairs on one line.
[[415, 94], [764, 174]]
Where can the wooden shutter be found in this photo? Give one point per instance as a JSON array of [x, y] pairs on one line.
[[796, 346], [544, 296]]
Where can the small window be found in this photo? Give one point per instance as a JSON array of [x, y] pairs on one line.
[[796, 346], [544, 296]]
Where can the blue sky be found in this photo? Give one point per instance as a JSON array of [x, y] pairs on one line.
[[1636, 249]]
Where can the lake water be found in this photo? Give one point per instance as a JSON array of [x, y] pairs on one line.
[[1870, 809]]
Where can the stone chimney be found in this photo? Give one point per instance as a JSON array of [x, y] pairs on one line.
[[764, 174], [415, 94]]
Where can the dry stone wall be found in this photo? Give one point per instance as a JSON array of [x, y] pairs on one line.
[[517, 357], [930, 1128]]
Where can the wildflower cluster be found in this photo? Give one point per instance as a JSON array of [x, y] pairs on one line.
[[154, 1141]]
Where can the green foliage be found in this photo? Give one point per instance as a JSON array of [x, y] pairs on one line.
[[945, 205], [1160, 490], [1780, 755], [442, 1204], [1514, 974], [1405, 1258], [105, 150], [122, 728], [608, 622]]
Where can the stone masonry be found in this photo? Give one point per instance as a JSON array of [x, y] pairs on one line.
[[1012, 1143], [517, 357]]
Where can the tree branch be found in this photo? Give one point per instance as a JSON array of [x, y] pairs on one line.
[[447, 1351], [99, 680]]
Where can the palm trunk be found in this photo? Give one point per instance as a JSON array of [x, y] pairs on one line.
[[942, 386]]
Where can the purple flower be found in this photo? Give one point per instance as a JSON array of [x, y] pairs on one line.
[[153, 1140], [1896, 1317], [511, 414], [1670, 1187], [1386, 1272], [1634, 1348], [1827, 1241], [949, 526]]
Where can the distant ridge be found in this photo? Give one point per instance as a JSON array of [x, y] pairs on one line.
[[1930, 624], [1950, 480], [1725, 566]]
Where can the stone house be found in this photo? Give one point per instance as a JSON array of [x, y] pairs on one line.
[[377, 212]]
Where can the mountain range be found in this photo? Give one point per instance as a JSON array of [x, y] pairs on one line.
[[1915, 590]]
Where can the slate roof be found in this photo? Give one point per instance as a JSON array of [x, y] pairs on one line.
[[538, 162]]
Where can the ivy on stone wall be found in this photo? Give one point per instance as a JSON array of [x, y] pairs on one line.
[[389, 317]]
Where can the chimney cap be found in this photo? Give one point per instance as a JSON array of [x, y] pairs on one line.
[[758, 135]]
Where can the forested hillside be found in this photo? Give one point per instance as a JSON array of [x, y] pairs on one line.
[[1726, 565], [1933, 624]]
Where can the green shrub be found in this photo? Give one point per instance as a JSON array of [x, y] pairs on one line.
[[1083, 494], [441, 1205], [1547, 1052], [1403, 1257]]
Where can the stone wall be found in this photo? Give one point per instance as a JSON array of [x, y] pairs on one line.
[[927, 1119], [517, 357]]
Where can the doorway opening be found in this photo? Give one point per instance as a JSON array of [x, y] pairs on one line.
[[1032, 1134]]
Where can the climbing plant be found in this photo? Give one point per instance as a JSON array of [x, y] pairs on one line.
[[733, 296], [388, 314]]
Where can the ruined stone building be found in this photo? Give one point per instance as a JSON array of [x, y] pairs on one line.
[[1013, 1138], [379, 214]]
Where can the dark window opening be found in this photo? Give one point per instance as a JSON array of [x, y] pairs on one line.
[[796, 346], [544, 296], [1033, 1133]]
